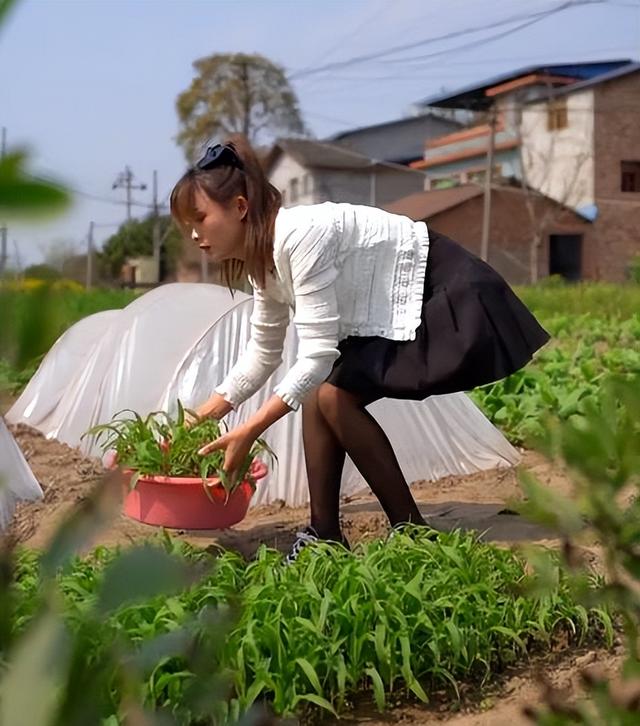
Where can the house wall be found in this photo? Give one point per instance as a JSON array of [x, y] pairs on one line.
[[617, 138], [285, 170], [146, 270], [512, 231], [402, 141], [560, 163], [508, 162], [375, 187]]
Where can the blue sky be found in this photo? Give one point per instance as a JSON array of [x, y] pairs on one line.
[[89, 85]]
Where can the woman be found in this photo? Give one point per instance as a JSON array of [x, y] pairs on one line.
[[382, 308]]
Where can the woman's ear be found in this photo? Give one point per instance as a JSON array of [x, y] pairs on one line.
[[243, 206]]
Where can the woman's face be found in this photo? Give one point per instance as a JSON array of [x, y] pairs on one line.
[[220, 230]]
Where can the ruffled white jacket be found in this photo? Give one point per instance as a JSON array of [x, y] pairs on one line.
[[344, 270]]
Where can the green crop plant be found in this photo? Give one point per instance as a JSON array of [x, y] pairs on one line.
[[161, 445], [392, 620], [601, 449]]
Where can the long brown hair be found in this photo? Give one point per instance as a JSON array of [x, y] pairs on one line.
[[222, 184]]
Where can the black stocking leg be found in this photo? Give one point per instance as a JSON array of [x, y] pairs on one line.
[[324, 459], [355, 431]]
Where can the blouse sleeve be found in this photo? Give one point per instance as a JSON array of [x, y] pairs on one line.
[[312, 260], [269, 322]]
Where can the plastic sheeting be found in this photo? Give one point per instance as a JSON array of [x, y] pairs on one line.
[[178, 341], [17, 481]]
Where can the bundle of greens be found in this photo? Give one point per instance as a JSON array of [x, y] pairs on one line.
[[160, 445]]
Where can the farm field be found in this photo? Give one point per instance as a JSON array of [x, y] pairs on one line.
[[475, 660]]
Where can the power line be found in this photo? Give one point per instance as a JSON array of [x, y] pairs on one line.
[[333, 119], [533, 59], [483, 41], [99, 198], [108, 200], [346, 37], [533, 17], [125, 180]]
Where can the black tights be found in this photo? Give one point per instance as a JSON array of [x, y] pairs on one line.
[[335, 421]]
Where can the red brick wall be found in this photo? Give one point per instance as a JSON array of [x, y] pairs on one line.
[[512, 232], [616, 138]]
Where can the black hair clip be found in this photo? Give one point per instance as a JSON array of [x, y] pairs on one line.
[[220, 155]]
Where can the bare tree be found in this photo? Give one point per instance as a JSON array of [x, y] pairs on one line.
[[547, 170], [58, 252]]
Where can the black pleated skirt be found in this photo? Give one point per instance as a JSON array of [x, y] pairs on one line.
[[474, 330]]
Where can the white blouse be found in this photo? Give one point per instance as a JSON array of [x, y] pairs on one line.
[[344, 270]]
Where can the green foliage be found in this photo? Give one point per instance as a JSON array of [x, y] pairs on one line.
[[42, 272], [409, 616], [56, 667], [160, 445], [29, 326], [566, 376], [236, 93], [634, 269], [135, 239], [602, 450], [22, 195], [34, 317], [5, 7], [602, 300]]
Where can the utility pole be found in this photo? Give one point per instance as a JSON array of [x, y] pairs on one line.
[[3, 229], [157, 241], [90, 256], [488, 178], [18, 258], [372, 184], [125, 179]]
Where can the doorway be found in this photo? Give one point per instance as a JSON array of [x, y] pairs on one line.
[[565, 256]]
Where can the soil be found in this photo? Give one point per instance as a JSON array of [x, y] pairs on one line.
[[479, 502]]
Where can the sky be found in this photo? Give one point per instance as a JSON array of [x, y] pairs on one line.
[[89, 86]]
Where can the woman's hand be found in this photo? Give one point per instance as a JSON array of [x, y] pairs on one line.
[[215, 407], [236, 444]]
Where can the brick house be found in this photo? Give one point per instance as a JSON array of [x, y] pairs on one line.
[[517, 218], [570, 131]]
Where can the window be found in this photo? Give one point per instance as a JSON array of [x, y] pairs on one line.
[[293, 190], [306, 184], [630, 176], [478, 176], [557, 116]]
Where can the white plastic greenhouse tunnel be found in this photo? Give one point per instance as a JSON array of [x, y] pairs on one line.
[[17, 481], [178, 341]]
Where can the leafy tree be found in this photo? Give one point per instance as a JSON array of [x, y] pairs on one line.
[[236, 93], [135, 238], [42, 272]]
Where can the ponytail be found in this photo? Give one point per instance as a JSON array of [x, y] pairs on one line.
[[237, 174]]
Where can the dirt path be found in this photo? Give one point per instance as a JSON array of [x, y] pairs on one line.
[[503, 703], [477, 502]]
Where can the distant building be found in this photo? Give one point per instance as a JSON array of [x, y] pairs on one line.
[[518, 219], [310, 172], [401, 141], [572, 132]]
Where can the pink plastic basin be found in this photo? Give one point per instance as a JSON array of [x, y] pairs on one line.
[[182, 503]]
